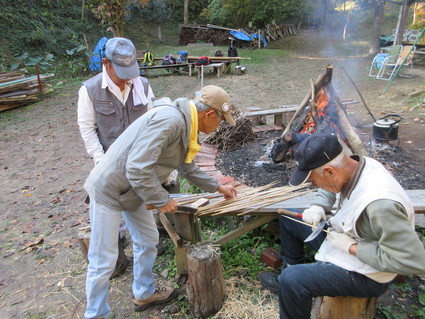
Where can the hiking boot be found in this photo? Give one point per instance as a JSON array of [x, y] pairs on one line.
[[161, 295], [270, 281]]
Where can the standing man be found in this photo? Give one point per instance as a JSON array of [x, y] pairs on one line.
[[110, 101], [372, 238], [129, 177]]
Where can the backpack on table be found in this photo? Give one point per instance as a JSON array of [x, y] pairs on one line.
[[148, 59], [168, 60], [218, 53], [232, 52], [203, 60], [182, 57]]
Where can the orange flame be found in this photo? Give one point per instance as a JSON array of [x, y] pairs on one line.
[[321, 101]]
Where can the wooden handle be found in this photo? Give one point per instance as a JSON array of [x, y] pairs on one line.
[[150, 207], [170, 230], [290, 213]]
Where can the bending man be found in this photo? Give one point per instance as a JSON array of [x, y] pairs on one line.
[[129, 177]]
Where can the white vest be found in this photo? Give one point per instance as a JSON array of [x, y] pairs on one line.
[[374, 183]]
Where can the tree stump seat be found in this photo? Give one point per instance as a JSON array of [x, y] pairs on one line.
[[343, 308]]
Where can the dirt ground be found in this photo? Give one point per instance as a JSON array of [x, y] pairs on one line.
[[43, 166]]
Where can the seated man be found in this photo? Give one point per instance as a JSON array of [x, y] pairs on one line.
[[372, 238], [129, 177]]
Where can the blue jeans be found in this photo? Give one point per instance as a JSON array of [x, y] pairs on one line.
[[299, 283], [292, 236], [103, 254]]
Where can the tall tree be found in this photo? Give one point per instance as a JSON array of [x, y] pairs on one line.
[[378, 9], [186, 12], [112, 12]]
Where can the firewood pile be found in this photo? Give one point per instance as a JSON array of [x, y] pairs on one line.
[[228, 137], [220, 35], [277, 31], [17, 90], [196, 33]]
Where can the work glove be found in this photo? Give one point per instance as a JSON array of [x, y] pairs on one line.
[[314, 215], [340, 240]]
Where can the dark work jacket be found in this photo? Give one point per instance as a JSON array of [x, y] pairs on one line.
[[112, 117]]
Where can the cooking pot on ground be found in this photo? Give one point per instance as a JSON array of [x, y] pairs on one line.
[[386, 128]]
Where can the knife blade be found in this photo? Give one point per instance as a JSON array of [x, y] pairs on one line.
[[316, 232]]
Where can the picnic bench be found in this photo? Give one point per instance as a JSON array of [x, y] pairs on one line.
[[220, 59], [175, 68], [217, 67], [281, 115]]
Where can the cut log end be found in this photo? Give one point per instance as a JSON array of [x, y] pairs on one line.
[[205, 287]]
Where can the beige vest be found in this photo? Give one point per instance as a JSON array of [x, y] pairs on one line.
[[374, 183]]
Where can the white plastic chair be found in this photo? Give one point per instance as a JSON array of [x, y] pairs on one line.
[[391, 56], [389, 67]]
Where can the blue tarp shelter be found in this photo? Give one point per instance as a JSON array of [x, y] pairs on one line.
[[248, 37]]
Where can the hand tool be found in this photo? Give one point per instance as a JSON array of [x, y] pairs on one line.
[[317, 230], [191, 208]]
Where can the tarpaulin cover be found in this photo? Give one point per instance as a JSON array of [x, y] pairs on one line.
[[246, 37], [98, 53]]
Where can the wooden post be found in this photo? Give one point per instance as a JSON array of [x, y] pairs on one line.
[[205, 286], [259, 41], [343, 308]]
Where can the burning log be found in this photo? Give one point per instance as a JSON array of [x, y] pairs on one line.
[[320, 111]]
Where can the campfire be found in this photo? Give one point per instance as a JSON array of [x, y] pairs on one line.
[[320, 112]]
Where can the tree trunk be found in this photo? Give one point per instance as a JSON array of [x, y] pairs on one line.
[[159, 33], [376, 29], [344, 35], [324, 10], [186, 12], [401, 23], [205, 286]]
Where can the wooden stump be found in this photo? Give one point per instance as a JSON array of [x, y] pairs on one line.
[[205, 286], [84, 241], [343, 308]]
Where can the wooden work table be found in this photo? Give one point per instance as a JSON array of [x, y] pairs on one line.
[[187, 225]]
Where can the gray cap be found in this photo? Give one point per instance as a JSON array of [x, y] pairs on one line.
[[122, 53]]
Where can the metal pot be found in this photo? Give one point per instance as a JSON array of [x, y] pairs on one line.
[[386, 128]]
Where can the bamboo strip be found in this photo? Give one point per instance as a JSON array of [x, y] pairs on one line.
[[301, 222], [229, 201], [254, 202], [257, 207], [277, 201]]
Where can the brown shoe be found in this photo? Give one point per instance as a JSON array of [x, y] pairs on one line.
[[161, 295]]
